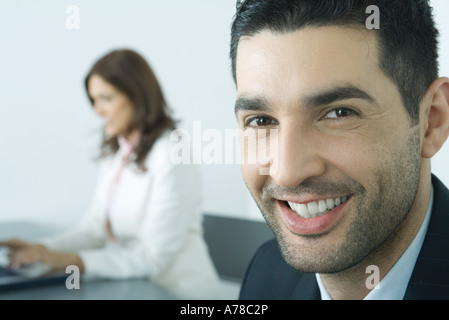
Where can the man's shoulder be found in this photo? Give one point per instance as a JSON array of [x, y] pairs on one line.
[[268, 250], [269, 277], [439, 221], [430, 278]]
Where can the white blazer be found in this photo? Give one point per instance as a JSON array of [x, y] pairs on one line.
[[157, 219]]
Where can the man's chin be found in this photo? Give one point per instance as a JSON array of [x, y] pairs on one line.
[[302, 255]]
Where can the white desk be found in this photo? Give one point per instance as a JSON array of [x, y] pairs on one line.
[[134, 289], [92, 290]]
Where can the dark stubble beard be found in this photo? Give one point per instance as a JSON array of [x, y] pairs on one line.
[[378, 213]]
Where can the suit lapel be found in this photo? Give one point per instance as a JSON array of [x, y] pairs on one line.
[[307, 288], [430, 278]]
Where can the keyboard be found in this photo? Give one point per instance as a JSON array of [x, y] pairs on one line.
[[5, 272]]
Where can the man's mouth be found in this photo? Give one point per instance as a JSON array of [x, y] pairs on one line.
[[318, 208]]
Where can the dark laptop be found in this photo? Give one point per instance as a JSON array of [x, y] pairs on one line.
[[27, 277]]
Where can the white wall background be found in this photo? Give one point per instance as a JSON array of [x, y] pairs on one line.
[[48, 132], [440, 163]]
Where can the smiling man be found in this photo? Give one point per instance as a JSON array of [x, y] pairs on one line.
[[351, 117]]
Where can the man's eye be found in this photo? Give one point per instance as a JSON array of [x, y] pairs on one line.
[[340, 113], [259, 121]]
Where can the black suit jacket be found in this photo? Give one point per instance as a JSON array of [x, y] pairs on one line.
[[269, 277]]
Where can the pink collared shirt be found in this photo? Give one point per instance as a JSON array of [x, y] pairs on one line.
[[126, 149]]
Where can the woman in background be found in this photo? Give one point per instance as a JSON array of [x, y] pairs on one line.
[[145, 218]]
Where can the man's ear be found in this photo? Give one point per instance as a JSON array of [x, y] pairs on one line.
[[435, 117]]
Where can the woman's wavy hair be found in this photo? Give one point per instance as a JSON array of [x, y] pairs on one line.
[[130, 73]]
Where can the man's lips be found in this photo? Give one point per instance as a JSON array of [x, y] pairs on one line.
[[313, 217]]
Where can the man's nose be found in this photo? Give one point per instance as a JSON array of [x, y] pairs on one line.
[[295, 157]]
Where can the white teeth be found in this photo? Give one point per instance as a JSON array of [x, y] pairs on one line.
[[330, 204], [315, 209], [301, 209], [337, 201], [322, 207]]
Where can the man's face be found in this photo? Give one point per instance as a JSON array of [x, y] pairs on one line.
[[341, 163]]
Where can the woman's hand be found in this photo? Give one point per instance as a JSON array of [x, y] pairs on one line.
[[22, 253]]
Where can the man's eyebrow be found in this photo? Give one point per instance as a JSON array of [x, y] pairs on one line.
[[337, 94], [251, 104], [321, 98]]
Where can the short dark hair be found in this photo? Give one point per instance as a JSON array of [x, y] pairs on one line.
[[131, 74], [408, 38]]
